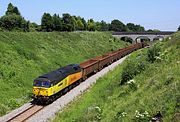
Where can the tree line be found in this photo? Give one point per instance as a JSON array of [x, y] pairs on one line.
[[13, 21]]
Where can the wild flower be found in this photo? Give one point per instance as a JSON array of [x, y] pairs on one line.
[[158, 58], [124, 114], [131, 81], [142, 115], [97, 108]]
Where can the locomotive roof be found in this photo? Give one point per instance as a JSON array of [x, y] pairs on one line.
[[60, 73]]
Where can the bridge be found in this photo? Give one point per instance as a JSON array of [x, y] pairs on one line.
[[140, 36]]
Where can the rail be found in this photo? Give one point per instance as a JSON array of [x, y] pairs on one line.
[[26, 114]]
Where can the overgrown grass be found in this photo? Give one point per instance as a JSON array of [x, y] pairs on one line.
[[24, 56], [156, 88]]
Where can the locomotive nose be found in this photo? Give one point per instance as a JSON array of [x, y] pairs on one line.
[[40, 92]]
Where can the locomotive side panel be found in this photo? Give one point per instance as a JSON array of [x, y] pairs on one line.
[[74, 77]]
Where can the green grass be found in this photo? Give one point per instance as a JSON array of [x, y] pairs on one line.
[[25, 56], [156, 88]]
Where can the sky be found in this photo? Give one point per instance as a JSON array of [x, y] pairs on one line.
[[152, 14]]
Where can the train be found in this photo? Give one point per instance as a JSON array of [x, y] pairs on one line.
[[50, 86]]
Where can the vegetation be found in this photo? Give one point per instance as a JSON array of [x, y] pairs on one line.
[[179, 28], [154, 88], [13, 21], [154, 30], [135, 28], [117, 25], [25, 56]]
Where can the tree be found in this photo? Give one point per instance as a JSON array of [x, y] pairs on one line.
[[47, 22], [104, 26], [91, 26], [12, 10], [16, 11], [139, 28], [34, 27], [154, 30], [98, 26], [57, 23], [73, 23], [150, 30], [135, 28], [69, 22], [179, 28], [117, 25], [12, 20], [84, 23], [80, 25]]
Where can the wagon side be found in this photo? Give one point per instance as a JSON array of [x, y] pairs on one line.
[[104, 60], [88, 67]]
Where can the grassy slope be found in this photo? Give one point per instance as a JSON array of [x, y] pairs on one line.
[[24, 56], [158, 89]]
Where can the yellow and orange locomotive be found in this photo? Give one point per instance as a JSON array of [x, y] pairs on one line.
[[48, 85]]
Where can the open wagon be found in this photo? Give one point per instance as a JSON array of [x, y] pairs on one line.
[[103, 60], [88, 67]]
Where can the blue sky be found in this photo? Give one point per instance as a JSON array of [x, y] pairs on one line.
[[154, 14]]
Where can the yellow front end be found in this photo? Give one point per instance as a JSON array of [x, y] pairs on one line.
[[41, 91], [47, 92]]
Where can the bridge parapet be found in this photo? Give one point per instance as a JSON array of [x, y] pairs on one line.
[[144, 33], [135, 36]]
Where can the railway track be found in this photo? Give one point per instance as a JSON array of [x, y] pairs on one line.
[[26, 114]]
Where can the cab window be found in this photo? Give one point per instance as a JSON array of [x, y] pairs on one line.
[[45, 84]]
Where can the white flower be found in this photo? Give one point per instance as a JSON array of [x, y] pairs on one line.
[[131, 81], [98, 108], [146, 113], [124, 114]]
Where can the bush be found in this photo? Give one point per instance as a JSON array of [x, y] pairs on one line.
[[127, 72], [152, 53], [131, 70]]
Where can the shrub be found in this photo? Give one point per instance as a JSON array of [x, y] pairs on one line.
[[153, 53], [127, 72], [131, 70]]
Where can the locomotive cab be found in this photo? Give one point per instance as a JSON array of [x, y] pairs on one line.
[[41, 87]]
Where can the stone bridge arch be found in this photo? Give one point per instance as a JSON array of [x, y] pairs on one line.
[[127, 39], [159, 38], [150, 35], [142, 39]]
